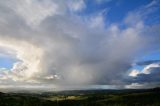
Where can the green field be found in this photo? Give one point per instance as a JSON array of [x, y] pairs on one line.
[[84, 98]]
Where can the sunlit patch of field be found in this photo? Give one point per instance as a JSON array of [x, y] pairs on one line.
[[61, 98]]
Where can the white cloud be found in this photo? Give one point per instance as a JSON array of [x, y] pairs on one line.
[[152, 3], [33, 12], [146, 70], [134, 73], [76, 5], [29, 57], [97, 21]]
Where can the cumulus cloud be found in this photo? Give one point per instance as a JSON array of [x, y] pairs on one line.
[[56, 47]]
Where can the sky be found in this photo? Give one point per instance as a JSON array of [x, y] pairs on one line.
[[79, 44]]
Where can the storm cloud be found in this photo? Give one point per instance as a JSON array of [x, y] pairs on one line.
[[54, 45]]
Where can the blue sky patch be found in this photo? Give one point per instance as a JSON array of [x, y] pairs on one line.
[[7, 62]]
